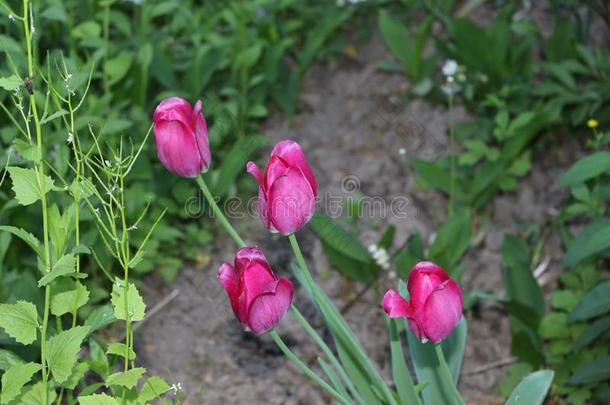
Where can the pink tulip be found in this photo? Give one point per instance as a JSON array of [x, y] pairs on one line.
[[436, 303], [287, 191], [181, 136], [259, 299]]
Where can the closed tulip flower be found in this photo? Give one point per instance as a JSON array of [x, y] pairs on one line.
[[258, 297], [287, 190], [435, 306], [181, 136]]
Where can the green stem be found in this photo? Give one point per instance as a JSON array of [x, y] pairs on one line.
[[219, 214], [452, 157], [446, 374], [306, 370], [43, 199]]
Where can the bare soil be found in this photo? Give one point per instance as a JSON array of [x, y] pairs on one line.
[[353, 124]]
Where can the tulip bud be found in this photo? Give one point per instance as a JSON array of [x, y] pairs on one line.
[[436, 303], [181, 136], [258, 297], [287, 191]]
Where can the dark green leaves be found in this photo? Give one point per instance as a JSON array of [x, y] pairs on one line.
[[595, 303], [587, 168]]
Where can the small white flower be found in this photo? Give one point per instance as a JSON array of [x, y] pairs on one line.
[[11, 18], [70, 138], [450, 68], [176, 387], [107, 163], [402, 151]]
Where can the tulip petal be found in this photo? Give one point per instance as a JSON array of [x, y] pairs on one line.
[[177, 148], [423, 279], [249, 254], [276, 168], [253, 169], [174, 109], [291, 202], [229, 279], [291, 152], [268, 308], [397, 307], [201, 135], [442, 311], [255, 276]]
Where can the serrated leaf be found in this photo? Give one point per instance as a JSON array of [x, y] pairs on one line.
[[28, 150], [136, 305], [25, 185], [9, 359], [153, 388], [34, 395], [10, 83], [532, 389], [127, 379], [20, 321], [25, 236], [97, 399], [67, 302], [100, 317], [15, 378], [62, 350], [64, 266], [78, 372], [120, 349]]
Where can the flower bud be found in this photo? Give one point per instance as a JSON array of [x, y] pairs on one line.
[[435, 306], [258, 297], [287, 191], [181, 136]]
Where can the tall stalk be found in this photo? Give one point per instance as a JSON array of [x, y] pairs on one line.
[[27, 23]]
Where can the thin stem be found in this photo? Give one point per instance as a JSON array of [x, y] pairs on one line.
[[446, 374], [218, 212], [27, 20], [306, 370], [452, 156]]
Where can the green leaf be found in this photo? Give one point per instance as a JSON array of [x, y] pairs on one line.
[[67, 302], [24, 236], [86, 29], [117, 67], [25, 184], [34, 395], [586, 168], [532, 389], [136, 304], [234, 162], [64, 266], [15, 378], [596, 302], [400, 371], [555, 325], [336, 237], [20, 321], [97, 399], [100, 318], [594, 239], [592, 372], [452, 241], [433, 175], [153, 388], [521, 285], [62, 349], [8, 359], [593, 332], [127, 379], [119, 349], [410, 255], [28, 150], [10, 83], [78, 372], [395, 36]]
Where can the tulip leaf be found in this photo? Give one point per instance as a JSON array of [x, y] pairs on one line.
[[532, 389], [234, 162], [400, 371]]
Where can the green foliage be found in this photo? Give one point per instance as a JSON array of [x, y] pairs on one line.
[[15, 378], [532, 389], [62, 349], [20, 321]]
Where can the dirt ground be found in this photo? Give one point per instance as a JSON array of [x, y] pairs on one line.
[[353, 125]]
